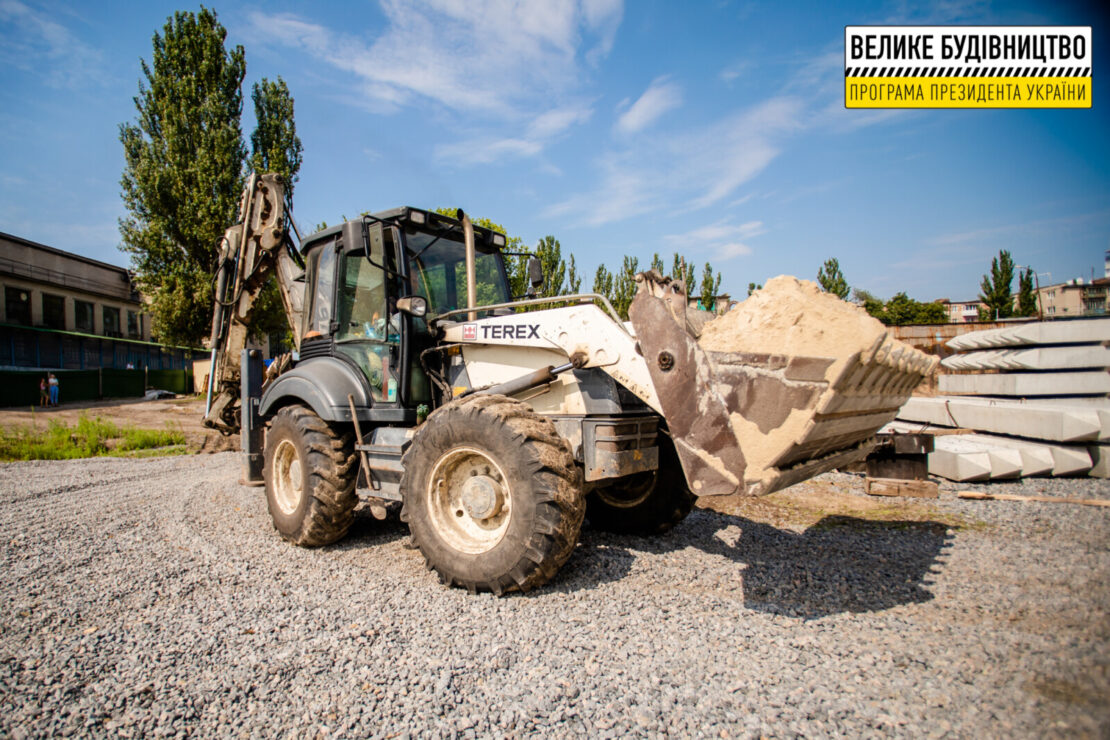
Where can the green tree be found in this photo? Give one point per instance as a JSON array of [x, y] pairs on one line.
[[1027, 298], [832, 279], [624, 285], [657, 264], [931, 313], [901, 310], [995, 289], [681, 270], [574, 280], [753, 287], [872, 304], [709, 287], [554, 268], [183, 170], [275, 146], [603, 282]]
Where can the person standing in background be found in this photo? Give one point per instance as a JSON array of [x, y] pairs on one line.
[[53, 382], [44, 396]]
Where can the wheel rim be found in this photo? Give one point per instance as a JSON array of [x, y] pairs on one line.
[[626, 495], [288, 478], [469, 500]]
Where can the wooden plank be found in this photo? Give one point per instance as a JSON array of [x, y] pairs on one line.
[[979, 495], [898, 487]]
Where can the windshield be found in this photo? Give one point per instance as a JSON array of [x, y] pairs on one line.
[[439, 272]]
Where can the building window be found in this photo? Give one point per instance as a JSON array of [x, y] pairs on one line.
[[17, 304], [83, 316], [111, 322], [53, 311], [133, 329]]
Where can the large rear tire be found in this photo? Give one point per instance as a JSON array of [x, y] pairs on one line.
[[647, 503], [310, 470], [491, 495]]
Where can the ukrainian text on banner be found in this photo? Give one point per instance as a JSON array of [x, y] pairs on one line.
[[967, 66]]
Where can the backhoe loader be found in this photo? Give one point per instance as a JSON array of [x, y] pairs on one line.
[[416, 378]]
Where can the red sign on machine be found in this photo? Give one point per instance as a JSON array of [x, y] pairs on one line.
[[470, 331]]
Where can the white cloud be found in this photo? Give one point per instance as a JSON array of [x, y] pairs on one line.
[[723, 239], [687, 171], [491, 57], [35, 43], [660, 97], [536, 135], [733, 71]]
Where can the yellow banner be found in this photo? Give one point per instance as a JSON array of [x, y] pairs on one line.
[[967, 92]]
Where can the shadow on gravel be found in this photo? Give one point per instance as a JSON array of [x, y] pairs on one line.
[[840, 564], [366, 531]]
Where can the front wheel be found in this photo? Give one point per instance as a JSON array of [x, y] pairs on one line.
[[645, 503], [310, 470], [491, 495]]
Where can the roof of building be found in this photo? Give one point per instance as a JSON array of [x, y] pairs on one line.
[[62, 253]]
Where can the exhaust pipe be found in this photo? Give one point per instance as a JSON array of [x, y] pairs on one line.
[[471, 281]]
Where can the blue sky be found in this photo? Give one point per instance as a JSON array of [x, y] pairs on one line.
[[716, 129]]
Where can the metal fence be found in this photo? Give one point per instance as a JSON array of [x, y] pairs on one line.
[[88, 367]]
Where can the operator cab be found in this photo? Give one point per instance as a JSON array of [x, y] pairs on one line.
[[356, 272]]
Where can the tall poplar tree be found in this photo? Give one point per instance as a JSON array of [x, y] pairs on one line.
[[184, 170], [996, 289], [710, 284], [275, 147], [1027, 297]]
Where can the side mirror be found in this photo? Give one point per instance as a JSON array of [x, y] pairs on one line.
[[535, 273], [413, 305]]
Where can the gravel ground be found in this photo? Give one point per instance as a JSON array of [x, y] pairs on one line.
[[153, 597]]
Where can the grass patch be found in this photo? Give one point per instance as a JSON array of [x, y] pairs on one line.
[[87, 438]]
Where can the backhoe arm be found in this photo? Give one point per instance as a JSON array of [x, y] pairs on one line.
[[250, 252]]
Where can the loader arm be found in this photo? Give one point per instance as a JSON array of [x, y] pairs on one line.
[[252, 250], [751, 420]]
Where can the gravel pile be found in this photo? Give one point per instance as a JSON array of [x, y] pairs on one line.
[[153, 597]]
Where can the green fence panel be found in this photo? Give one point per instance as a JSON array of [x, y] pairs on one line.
[[21, 388], [121, 383], [78, 385], [178, 381]]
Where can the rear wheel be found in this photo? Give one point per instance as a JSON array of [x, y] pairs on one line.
[[310, 470], [646, 503], [491, 495]]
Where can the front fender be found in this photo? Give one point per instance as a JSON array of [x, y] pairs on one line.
[[322, 384]]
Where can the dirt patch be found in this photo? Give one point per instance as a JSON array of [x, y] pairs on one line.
[[183, 413]]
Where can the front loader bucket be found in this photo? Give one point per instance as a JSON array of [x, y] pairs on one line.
[[790, 384]]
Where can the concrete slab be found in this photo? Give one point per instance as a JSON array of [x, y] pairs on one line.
[[1096, 382], [1042, 332], [1036, 358], [1036, 459], [967, 454], [960, 466], [1057, 421], [1004, 462], [1066, 459]]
